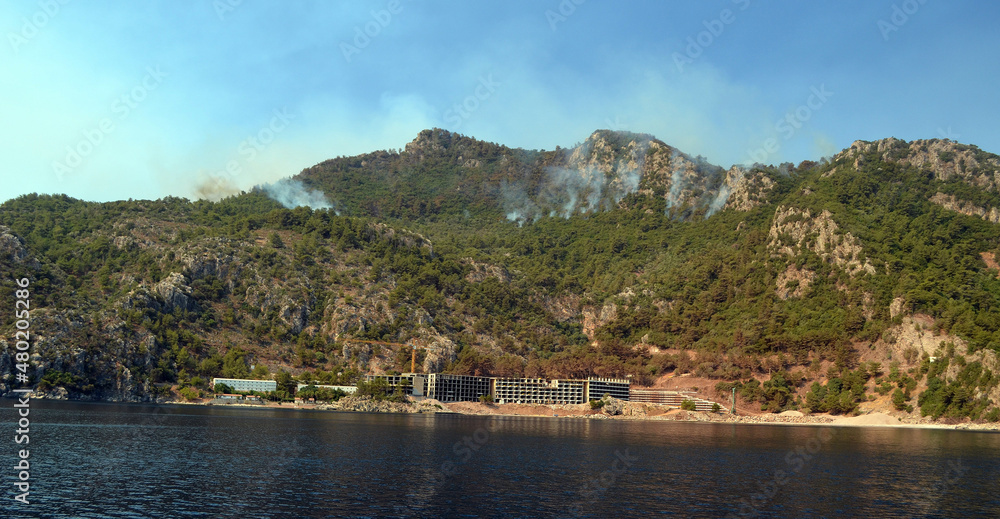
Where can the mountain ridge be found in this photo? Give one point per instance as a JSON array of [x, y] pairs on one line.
[[619, 256]]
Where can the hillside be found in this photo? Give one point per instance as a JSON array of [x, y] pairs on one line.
[[831, 286]]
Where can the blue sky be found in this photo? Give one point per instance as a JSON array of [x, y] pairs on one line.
[[106, 101]]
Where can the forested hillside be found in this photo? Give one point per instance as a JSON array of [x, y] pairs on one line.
[[869, 276]]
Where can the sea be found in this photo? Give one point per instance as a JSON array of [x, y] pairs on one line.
[[103, 460]]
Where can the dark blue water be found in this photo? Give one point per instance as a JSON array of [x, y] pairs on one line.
[[116, 461]]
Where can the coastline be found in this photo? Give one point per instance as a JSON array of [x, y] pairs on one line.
[[631, 411]]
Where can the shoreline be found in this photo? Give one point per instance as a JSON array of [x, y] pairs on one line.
[[632, 412]]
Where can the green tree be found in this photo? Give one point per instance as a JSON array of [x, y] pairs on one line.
[[285, 382], [234, 364]]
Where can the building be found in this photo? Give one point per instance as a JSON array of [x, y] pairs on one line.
[[236, 399], [465, 388], [672, 398], [350, 390], [538, 391], [614, 387], [451, 388], [394, 381], [242, 384], [439, 386]]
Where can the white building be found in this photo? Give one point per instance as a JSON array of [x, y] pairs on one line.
[[243, 384]]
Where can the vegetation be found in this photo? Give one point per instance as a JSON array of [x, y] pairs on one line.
[[378, 389], [321, 394], [421, 249]]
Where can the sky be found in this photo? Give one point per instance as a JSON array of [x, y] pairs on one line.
[[199, 99]]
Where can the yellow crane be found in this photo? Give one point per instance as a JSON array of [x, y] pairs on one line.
[[413, 347]]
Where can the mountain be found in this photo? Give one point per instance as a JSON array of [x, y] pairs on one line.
[[441, 174], [868, 280]]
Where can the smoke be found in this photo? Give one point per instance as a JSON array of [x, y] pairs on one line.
[[517, 204], [719, 201], [677, 181], [578, 188], [566, 191], [215, 188], [293, 193], [725, 189]]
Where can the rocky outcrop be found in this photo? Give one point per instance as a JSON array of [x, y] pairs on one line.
[[793, 282], [367, 404], [481, 271], [746, 190], [210, 261], [795, 229], [612, 406], [12, 249], [175, 292], [944, 158], [594, 318], [990, 214]]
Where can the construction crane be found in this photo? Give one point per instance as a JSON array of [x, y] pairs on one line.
[[413, 354]]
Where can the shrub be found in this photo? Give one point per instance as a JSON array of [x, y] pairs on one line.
[[596, 404], [688, 405], [899, 399]]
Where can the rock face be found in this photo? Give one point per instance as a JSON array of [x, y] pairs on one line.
[[366, 404], [793, 282], [746, 190], [613, 406], [594, 318], [12, 249], [990, 214], [481, 271], [175, 292], [795, 229], [945, 158]]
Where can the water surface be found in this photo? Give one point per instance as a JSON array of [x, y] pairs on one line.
[[93, 460]]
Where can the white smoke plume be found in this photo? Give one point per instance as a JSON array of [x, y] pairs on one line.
[[517, 204], [293, 193], [719, 201], [568, 191], [677, 165], [725, 189]]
